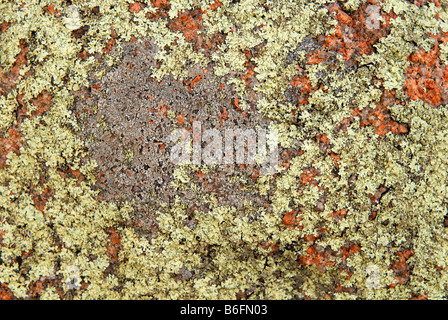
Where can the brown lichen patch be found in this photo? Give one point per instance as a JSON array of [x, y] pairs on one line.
[[375, 198], [249, 77], [36, 288], [161, 4], [419, 297], [427, 75], [78, 33], [287, 155], [2, 233], [128, 118]]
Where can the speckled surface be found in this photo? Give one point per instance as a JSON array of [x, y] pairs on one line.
[[357, 91]]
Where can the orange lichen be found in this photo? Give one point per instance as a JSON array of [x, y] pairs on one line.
[[255, 174], [136, 7], [323, 138], [427, 76], [308, 176], [301, 87], [4, 26], [7, 79], [317, 256], [338, 215], [51, 10], [354, 35], [40, 199], [195, 80], [336, 158], [420, 3], [163, 111], [324, 142], [224, 114], [401, 267], [340, 288], [180, 119], [291, 219], [83, 55], [250, 74], [189, 23], [380, 116], [236, 103], [349, 250], [5, 292], [36, 288], [42, 102], [111, 43], [241, 295], [10, 143], [215, 5], [114, 245], [373, 215], [310, 238], [315, 57]]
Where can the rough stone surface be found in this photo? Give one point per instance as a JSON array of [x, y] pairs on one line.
[[127, 122]]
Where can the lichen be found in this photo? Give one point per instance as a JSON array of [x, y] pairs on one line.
[[358, 193]]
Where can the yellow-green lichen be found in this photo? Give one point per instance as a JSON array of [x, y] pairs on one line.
[[69, 237]]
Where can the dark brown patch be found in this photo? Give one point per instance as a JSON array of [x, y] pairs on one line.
[[129, 112]]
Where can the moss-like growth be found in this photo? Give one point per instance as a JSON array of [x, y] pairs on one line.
[[361, 193]]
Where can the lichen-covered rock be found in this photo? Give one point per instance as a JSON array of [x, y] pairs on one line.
[[90, 206]]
